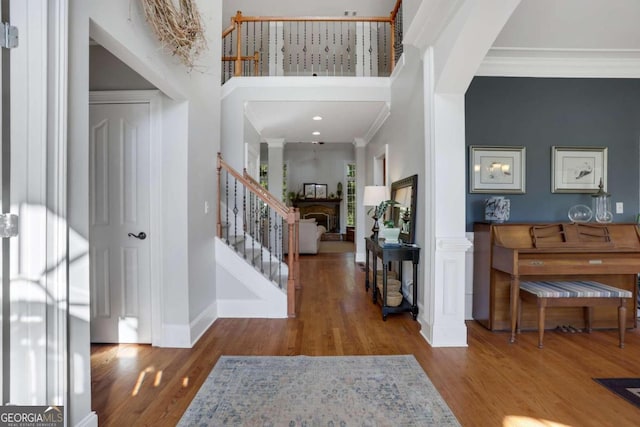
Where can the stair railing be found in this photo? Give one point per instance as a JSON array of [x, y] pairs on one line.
[[312, 46], [260, 228]]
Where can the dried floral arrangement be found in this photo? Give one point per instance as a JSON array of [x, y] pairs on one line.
[[181, 31]]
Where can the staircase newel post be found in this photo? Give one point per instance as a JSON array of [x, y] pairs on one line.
[[296, 262], [291, 285], [238, 63], [218, 219], [392, 22]]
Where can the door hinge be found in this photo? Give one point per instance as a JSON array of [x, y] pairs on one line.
[[8, 35]]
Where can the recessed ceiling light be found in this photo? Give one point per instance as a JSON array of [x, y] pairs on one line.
[[316, 133], [316, 118]]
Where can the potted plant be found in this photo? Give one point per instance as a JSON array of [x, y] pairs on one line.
[[378, 212], [390, 232]]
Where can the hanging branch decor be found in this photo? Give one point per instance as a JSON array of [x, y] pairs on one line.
[[179, 31]]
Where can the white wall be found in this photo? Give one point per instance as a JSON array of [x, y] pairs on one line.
[[403, 131], [119, 25]]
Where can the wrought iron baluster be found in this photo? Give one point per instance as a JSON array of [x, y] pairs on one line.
[[244, 221], [226, 204], [261, 50], [235, 212]]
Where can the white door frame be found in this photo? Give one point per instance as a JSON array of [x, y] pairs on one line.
[[153, 98], [380, 172]]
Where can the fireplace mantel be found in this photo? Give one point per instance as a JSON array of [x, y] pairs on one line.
[[325, 211]]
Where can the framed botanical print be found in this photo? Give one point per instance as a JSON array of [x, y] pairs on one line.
[[578, 169], [497, 169]]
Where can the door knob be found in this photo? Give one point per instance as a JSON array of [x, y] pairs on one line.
[[141, 235]]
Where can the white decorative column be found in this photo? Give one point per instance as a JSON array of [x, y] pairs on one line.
[[276, 166], [361, 221], [443, 300]]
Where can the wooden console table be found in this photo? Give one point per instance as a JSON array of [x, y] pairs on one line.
[[389, 253]]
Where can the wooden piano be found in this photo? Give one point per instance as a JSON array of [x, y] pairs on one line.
[[505, 254]]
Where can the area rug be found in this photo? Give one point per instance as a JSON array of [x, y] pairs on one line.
[[627, 388], [331, 247], [318, 391]]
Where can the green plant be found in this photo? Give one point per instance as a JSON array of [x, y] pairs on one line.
[[388, 223], [379, 210]]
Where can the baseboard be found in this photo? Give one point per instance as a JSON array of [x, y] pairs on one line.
[[249, 308], [201, 323], [176, 336], [91, 420]]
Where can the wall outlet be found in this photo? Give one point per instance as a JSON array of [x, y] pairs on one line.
[[619, 207], [206, 207]]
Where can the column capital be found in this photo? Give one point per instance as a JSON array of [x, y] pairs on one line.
[[275, 142], [360, 142]]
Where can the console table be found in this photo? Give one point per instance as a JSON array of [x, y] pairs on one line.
[[389, 253]]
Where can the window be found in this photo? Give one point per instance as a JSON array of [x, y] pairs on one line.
[[351, 194], [264, 175]]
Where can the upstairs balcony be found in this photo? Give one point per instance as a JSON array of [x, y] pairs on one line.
[[312, 46]]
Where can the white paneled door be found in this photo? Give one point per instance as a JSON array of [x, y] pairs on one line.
[[119, 217]]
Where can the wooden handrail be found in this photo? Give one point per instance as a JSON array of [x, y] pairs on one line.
[[263, 194], [395, 10], [255, 185]]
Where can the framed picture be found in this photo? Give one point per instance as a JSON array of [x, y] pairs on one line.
[[578, 169], [309, 191], [321, 191], [497, 169]]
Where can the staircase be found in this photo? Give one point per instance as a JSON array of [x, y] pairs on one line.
[[259, 274]]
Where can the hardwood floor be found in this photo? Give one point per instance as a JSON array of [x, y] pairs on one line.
[[489, 383]]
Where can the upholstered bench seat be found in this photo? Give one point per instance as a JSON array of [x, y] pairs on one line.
[[578, 293], [573, 289]]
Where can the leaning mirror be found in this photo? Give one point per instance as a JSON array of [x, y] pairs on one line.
[[403, 214]]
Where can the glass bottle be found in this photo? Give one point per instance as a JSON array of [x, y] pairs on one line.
[[602, 205]]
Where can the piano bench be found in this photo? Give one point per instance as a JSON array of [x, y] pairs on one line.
[[579, 293]]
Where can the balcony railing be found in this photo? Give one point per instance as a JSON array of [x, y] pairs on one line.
[[312, 46]]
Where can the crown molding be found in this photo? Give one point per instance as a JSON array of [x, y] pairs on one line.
[[384, 113], [577, 63]]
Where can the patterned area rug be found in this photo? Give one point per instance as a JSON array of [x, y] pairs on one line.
[[318, 391], [330, 247], [627, 388]]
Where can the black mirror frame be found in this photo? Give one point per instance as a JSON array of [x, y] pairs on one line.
[[411, 181]]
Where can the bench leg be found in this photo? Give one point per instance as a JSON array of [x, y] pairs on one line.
[[622, 317], [588, 317], [542, 305], [518, 325]]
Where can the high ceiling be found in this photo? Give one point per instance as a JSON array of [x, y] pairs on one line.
[[609, 27]]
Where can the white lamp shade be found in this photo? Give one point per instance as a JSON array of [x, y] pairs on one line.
[[375, 194]]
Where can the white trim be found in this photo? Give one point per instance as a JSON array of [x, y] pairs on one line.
[[380, 157], [382, 116], [175, 336], [200, 324], [153, 98], [57, 223], [577, 63], [91, 420]]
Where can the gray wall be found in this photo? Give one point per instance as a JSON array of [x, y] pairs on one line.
[[106, 72], [539, 113]]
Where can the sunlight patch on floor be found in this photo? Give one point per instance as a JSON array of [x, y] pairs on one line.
[[520, 421]]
